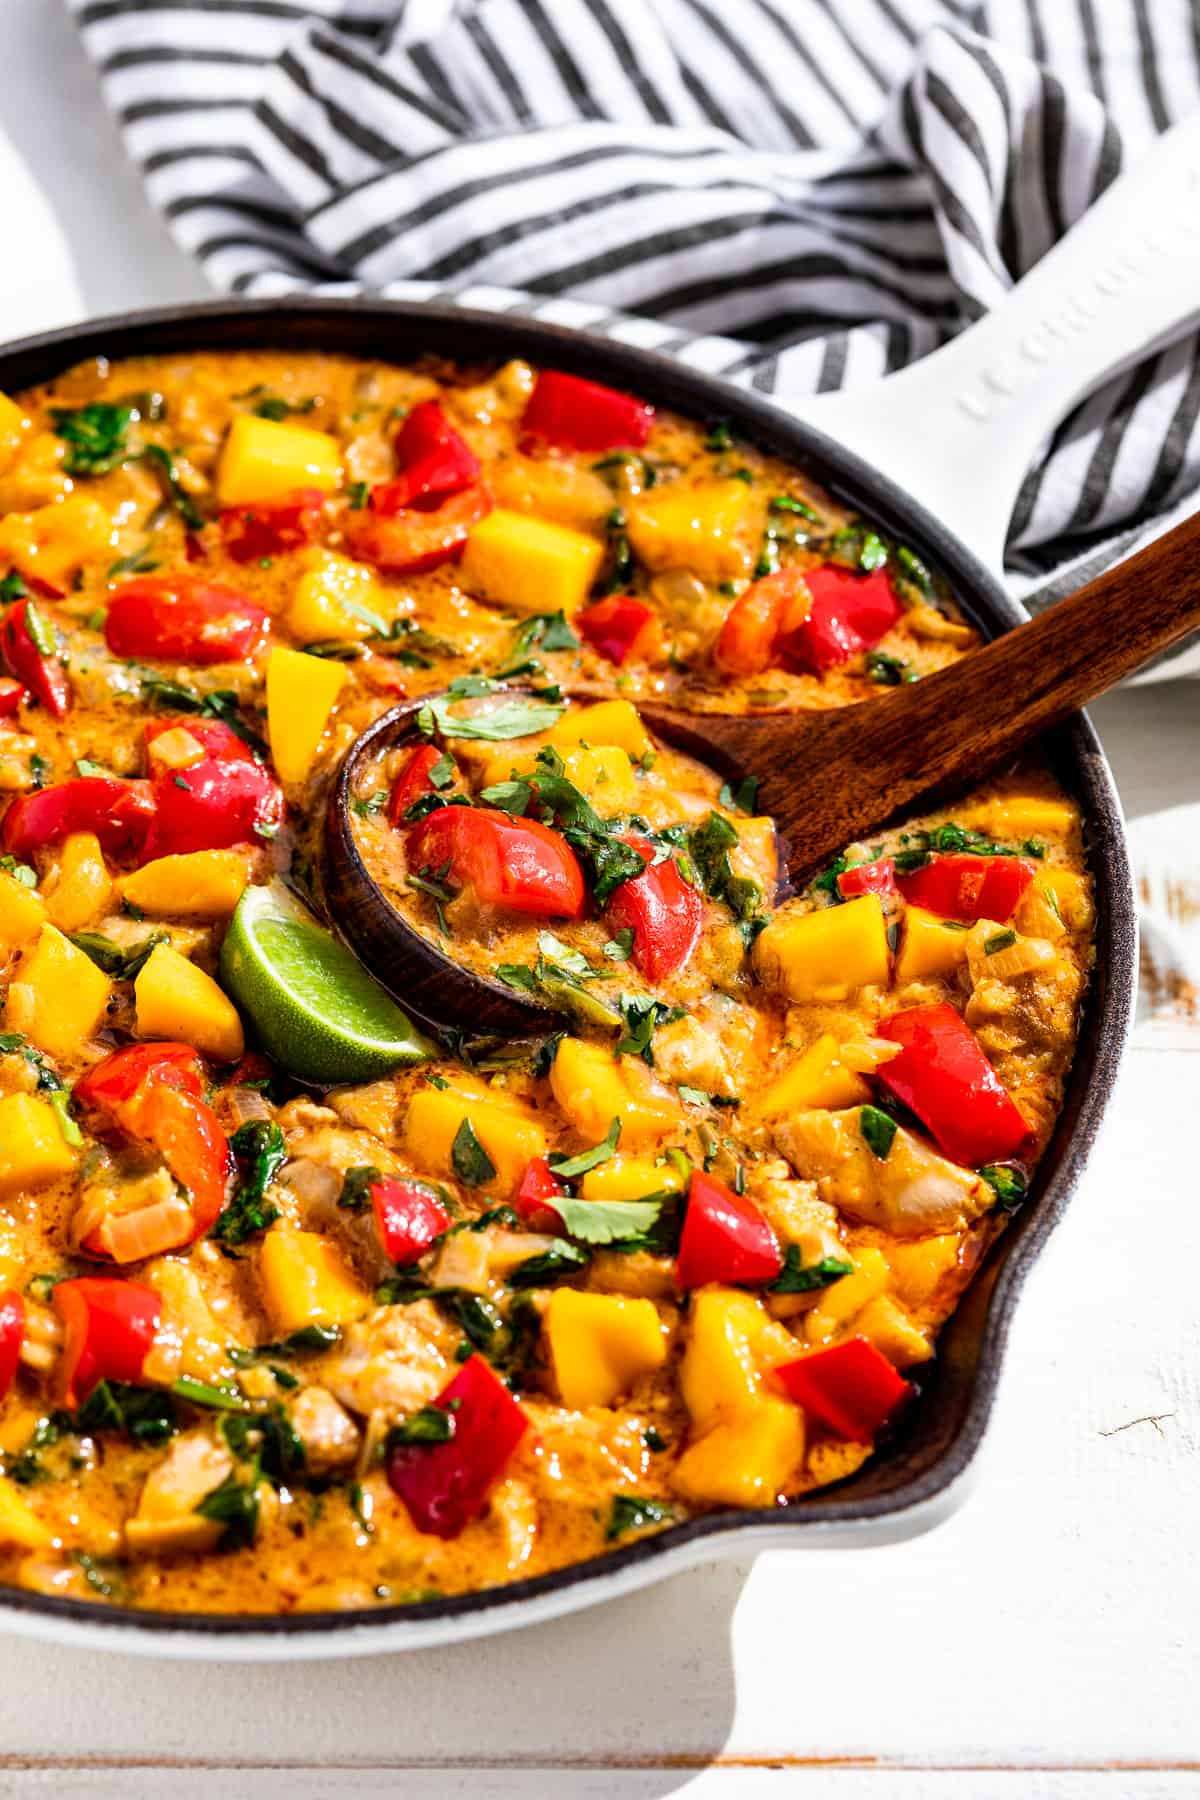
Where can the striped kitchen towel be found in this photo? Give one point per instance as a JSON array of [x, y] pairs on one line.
[[794, 193]]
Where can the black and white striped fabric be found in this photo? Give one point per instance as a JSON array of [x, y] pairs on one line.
[[798, 194]]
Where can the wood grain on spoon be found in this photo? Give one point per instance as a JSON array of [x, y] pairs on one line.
[[830, 778]]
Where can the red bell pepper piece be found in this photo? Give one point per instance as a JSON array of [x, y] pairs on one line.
[[110, 1328], [231, 797], [849, 613], [446, 1485], [538, 1191], [406, 543], [619, 627], [518, 864], [412, 782], [943, 1076], [252, 532], [184, 618], [154, 1093], [434, 461], [13, 696], [409, 1217], [748, 640], [850, 1388], [120, 813], [12, 1332], [724, 1237], [868, 878], [574, 414], [29, 645], [664, 912], [968, 887]]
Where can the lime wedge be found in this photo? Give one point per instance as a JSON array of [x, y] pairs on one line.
[[315, 1008]]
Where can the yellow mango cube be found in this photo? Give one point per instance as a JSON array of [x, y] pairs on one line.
[[54, 541], [1063, 892], [841, 1303], [81, 890], [58, 996], [305, 1282], [818, 1078], [174, 750], [747, 1461], [611, 722], [604, 774], [1031, 816], [19, 1524], [22, 913], [720, 1373], [892, 1331], [201, 884], [692, 525], [530, 565], [33, 1150], [600, 1344], [593, 1087], [302, 692], [13, 426], [264, 459], [929, 946], [630, 1178], [919, 1266], [562, 491], [175, 999], [509, 1134], [825, 955], [331, 597]]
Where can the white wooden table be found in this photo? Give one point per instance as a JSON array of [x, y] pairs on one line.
[[1041, 1644]]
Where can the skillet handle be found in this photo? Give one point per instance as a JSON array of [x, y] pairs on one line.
[[959, 429]]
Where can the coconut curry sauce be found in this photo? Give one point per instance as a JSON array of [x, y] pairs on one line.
[[267, 1344]]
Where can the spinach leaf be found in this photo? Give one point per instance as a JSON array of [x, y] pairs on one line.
[[261, 1152], [163, 464], [558, 1259], [568, 1167], [144, 1414], [472, 1164], [95, 436], [1007, 1183], [878, 1130], [429, 1425], [632, 1512], [234, 1506], [643, 1015], [795, 1278], [710, 844]]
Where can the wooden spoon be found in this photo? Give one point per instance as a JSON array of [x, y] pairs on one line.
[[829, 778]]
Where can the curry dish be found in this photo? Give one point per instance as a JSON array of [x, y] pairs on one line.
[[373, 1318]]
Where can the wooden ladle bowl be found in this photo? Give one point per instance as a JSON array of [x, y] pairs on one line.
[[828, 778]]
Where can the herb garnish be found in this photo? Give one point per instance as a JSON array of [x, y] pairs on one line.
[[472, 1164], [631, 1512], [570, 1166], [878, 1129], [795, 1278], [261, 1152]]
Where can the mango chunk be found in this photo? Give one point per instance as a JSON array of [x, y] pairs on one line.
[[19, 1524], [202, 884], [166, 1520], [610, 722], [1061, 891], [919, 1266], [604, 774], [930, 946], [562, 491], [54, 541], [531, 565], [264, 459], [719, 1375], [818, 1078], [630, 1178], [825, 955], [594, 1087], [22, 913], [82, 890], [510, 1136], [892, 1331], [686, 525], [600, 1344], [176, 1000], [842, 1302], [305, 1282], [1030, 816], [301, 693], [747, 1461], [14, 424], [58, 996], [33, 1150], [331, 598]]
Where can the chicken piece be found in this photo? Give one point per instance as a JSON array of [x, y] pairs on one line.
[[330, 1437], [189, 1335], [371, 1108], [513, 1514], [797, 1214], [391, 1362], [166, 1520], [911, 1192], [685, 1052], [481, 1260], [638, 1273]]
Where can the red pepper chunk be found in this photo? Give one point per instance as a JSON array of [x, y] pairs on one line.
[[183, 618], [748, 640], [409, 1217], [110, 1328], [538, 1191], [968, 887], [943, 1076], [851, 1388], [252, 532], [619, 627], [408, 542], [868, 878], [13, 696], [724, 1238], [435, 460], [517, 864], [12, 1332], [120, 813], [29, 646], [412, 782], [574, 414], [664, 912], [849, 613], [229, 797], [445, 1486]]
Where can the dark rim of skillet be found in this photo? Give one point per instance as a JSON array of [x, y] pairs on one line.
[[943, 1430]]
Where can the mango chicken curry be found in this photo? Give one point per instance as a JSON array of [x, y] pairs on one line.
[[376, 1317]]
